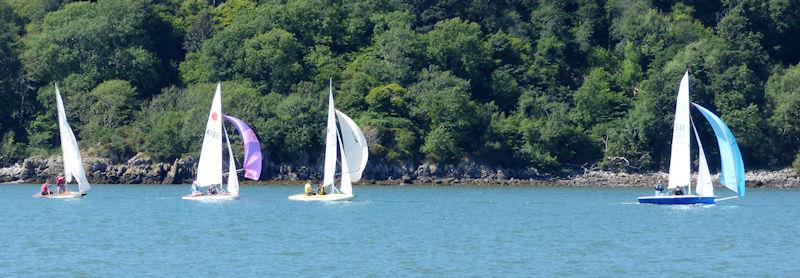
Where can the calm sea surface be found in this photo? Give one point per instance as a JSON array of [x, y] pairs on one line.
[[145, 230]]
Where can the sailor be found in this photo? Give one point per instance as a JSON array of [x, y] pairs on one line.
[[60, 184], [321, 190], [659, 188], [212, 190], [45, 188], [195, 188], [307, 189], [679, 191]]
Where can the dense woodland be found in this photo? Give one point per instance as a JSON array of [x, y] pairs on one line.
[[548, 85]]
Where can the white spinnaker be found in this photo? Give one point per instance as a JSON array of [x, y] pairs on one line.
[[70, 152], [704, 186], [330, 142], [355, 146], [209, 169], [233, 178], [680, 159]]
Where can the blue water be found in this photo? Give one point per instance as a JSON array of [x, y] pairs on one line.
[[144, 230]]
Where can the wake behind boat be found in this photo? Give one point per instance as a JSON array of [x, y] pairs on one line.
[[71, 157], [352, 157], [732, 167]]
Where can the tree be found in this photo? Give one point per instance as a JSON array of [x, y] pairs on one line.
[[595, 102], [456, 46], [271, 59], [441, 104], [102, 41], [783, 104]]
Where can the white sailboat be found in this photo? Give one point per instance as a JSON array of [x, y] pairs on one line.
[[731, 175], [71, 155], [209, 168], [347, 138]]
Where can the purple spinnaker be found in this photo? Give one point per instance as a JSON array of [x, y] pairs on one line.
[[252, 148]]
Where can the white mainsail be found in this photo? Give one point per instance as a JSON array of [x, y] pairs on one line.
[[354, 145], [233, 179], [209, 169], [704, 186], [330, 142], [680, 160], [70, 152]]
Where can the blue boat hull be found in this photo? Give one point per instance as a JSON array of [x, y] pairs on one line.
[[678, 200]]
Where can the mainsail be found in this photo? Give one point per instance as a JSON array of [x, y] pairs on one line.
[[71, 154], [330, 142], [732, 167], [680, 159], [209, 169], [252, 148]]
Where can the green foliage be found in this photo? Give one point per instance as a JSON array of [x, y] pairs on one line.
[[455, 45], [549, 85], [596, 103], [442, 146], [273, 58], [10, 150], [9, 70], [102, 41], [796, 163]]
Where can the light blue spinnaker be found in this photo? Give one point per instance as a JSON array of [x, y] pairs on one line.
[[732, 166]]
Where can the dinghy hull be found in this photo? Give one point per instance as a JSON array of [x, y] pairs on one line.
[[333, 197], [66, 195], [678, 200], [215, 197]]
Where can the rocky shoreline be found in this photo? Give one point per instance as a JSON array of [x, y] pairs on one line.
[[140, 169]]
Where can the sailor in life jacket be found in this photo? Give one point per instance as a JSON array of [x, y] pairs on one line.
[[307, 189], [659, 188]]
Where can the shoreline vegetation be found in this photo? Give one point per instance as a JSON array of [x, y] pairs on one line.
[[142, 170], [513, 89]]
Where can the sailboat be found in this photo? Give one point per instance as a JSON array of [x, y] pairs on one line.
[[209, 169], [732, 166], [71, 155], [349, 141]]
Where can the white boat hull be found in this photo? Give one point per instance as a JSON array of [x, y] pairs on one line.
[[65, 195], [215, 197], [333, 197]]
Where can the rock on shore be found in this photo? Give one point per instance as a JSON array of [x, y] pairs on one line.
[[142, 169]]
